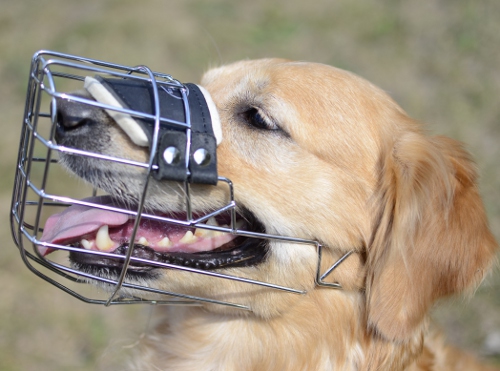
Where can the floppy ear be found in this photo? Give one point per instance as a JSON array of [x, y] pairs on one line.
[[432, 238]]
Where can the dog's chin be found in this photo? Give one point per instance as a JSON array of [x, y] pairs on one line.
[[147, 264]]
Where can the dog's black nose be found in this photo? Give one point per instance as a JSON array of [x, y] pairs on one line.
[[71, 115]]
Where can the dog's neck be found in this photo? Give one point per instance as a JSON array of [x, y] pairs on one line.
[[192, 338]]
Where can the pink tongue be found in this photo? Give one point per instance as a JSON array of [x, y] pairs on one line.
[[78, 220]]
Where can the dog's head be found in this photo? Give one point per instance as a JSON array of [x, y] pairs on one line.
[[314, 153]]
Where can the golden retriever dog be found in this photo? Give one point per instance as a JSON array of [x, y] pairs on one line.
[[315, 153]]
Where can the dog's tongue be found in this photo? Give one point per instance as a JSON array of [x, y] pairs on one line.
[[78, 220], [78, 223]]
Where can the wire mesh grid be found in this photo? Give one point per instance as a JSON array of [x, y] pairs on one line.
[[42, 188]]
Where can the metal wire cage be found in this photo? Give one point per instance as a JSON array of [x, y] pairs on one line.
[[41, 188]]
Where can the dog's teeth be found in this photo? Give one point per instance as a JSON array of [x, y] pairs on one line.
[[208, 233], [211, 221], [202, 233], [143, 241], [239, 223], [165, 242], [189, 237], [217, 233], [86, 244], [102, 240]]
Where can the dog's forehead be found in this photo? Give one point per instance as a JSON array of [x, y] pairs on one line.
[[277, 86], [312, 83], [313, 89]]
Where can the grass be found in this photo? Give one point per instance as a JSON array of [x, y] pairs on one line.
[[439, 60]]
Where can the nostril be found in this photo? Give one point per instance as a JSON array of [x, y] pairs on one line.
[[71, 116]]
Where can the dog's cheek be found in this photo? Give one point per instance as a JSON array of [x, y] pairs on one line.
[[290, 265]]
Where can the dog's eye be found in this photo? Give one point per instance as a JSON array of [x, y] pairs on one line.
[[258, 120]]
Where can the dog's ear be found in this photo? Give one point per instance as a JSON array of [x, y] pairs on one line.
[[432, 237]]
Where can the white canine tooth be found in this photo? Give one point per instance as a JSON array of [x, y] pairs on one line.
[[189, 237], [102, 240], [143, 241], [239, 223], [86, 244], [165, 242]]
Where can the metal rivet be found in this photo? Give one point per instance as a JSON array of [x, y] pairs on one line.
[[172, 155], [201, 157]]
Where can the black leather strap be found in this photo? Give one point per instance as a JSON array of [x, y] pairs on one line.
[[137, 95]]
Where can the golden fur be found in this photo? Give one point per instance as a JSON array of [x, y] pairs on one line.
[[347, 168]]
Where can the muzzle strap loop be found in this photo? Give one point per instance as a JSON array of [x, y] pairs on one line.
[[137, 95]]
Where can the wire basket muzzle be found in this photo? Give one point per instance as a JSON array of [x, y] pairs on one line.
[[180, 128]]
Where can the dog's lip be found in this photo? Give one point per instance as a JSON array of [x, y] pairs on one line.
[[105, 230], [241, 252]]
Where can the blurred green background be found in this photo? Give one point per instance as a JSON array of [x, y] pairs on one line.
[[439, 59]]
